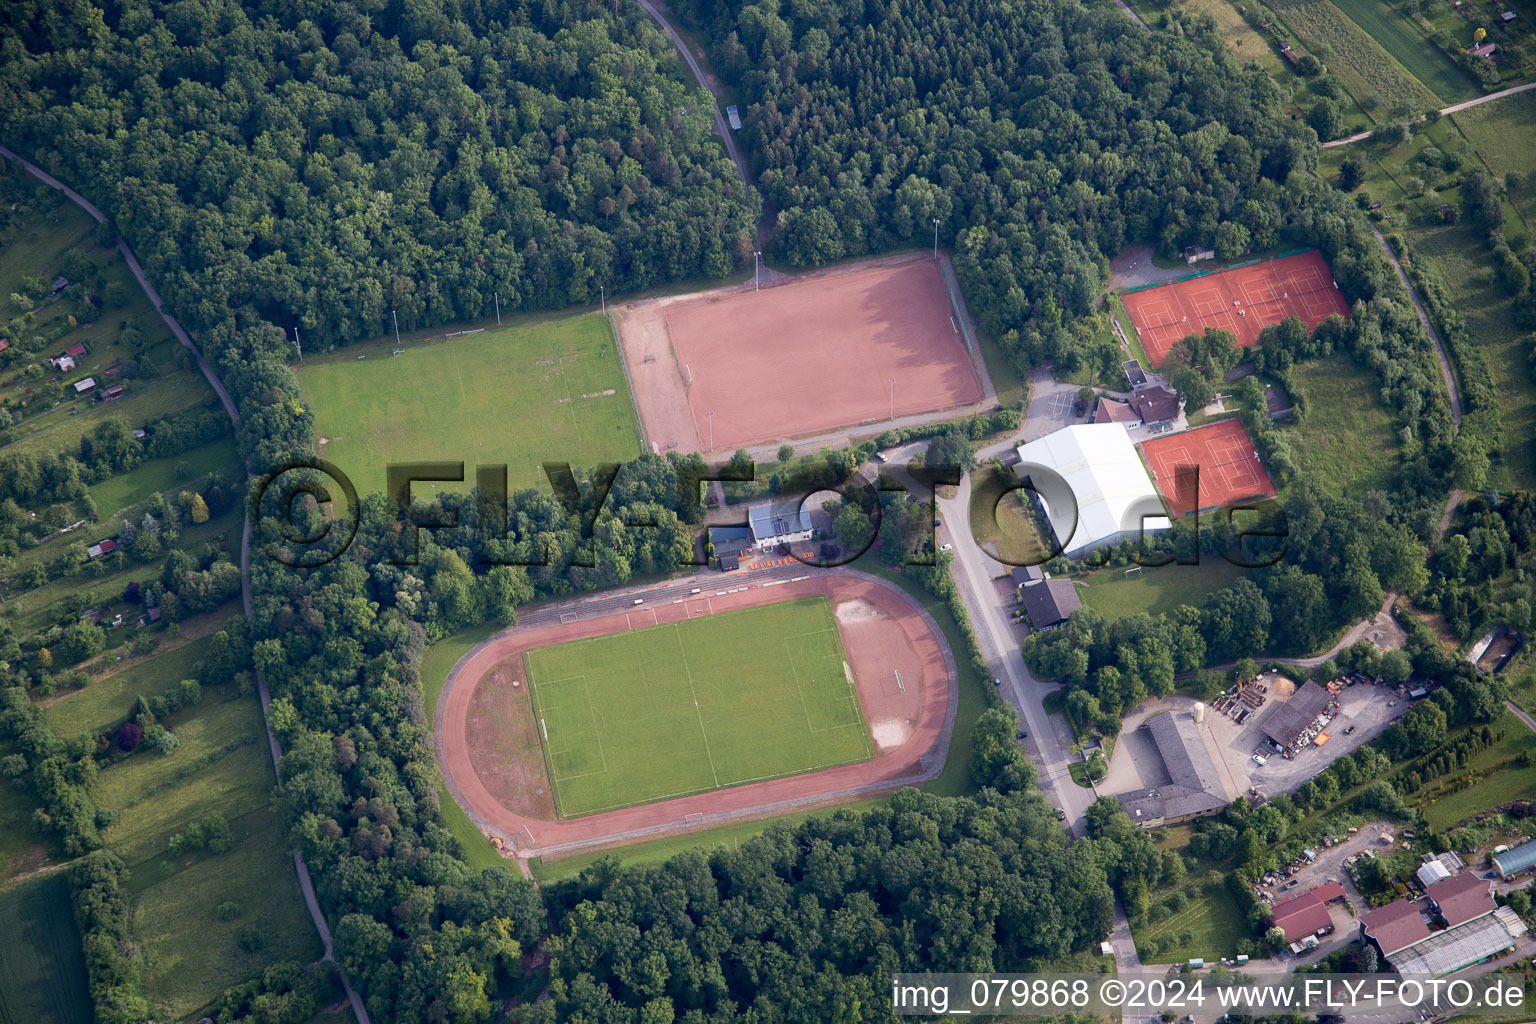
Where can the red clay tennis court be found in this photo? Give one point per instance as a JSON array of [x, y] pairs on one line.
[[1230, 470], [1243, 300]]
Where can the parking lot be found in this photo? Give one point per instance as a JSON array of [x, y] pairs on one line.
[[1365, 709]]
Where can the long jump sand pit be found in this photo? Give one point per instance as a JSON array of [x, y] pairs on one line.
[[808, 357], [488, 736]]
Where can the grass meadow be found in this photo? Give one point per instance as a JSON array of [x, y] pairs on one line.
[[192, 955], [694, 706], [1488, 310], [1209, 924], [116, 493], [544, 392], [108, 701], [42, 967], [1501, 133], [436, 663], [155, 800], [1000, 518], [1345, 440], [1158, 589]]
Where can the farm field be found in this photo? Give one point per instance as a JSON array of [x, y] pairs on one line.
[[1406, 42], [545, 392], [1115, 595], [1366, 71], [193, 955], [42, 967], [1209, 925], [1345, 440], [116, 493], [698, 705]]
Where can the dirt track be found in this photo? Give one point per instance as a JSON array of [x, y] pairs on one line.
[[484, 726]]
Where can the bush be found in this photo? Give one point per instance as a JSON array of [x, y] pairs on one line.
[[251, 940], [129, 735], [228, 911]]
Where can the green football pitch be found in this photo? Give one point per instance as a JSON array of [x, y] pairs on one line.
[[546, 392], [694, 706]]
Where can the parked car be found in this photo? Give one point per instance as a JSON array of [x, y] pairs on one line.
[[1351, 729], [1021, 734], [946, 547]]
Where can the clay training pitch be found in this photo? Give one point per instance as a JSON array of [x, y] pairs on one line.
[[697, 705], [828, 351], [544, 392]]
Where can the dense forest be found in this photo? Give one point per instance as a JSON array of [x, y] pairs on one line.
[[1042, 137], [321, 166]]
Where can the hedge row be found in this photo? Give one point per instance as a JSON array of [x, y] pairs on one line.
[[113, 962]]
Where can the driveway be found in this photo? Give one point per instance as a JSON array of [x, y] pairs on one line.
[[1134, 267], [1050, 405]]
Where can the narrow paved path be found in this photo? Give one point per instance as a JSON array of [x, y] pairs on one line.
[[1454, 108], [1132, 14], [1519, 713], [744, 169], [1434, 335], [305, 884]]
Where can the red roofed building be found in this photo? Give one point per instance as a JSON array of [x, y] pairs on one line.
[[1395, 926], [1114, 412], [5, 343], [76, 350], [1462, 898], [1307, 913]]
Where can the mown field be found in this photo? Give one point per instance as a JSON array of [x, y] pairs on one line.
[[42, 967], [1345, 441], [546, 392], [692, 706], [1367, 72], [1411, 47], [1163, 588]]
